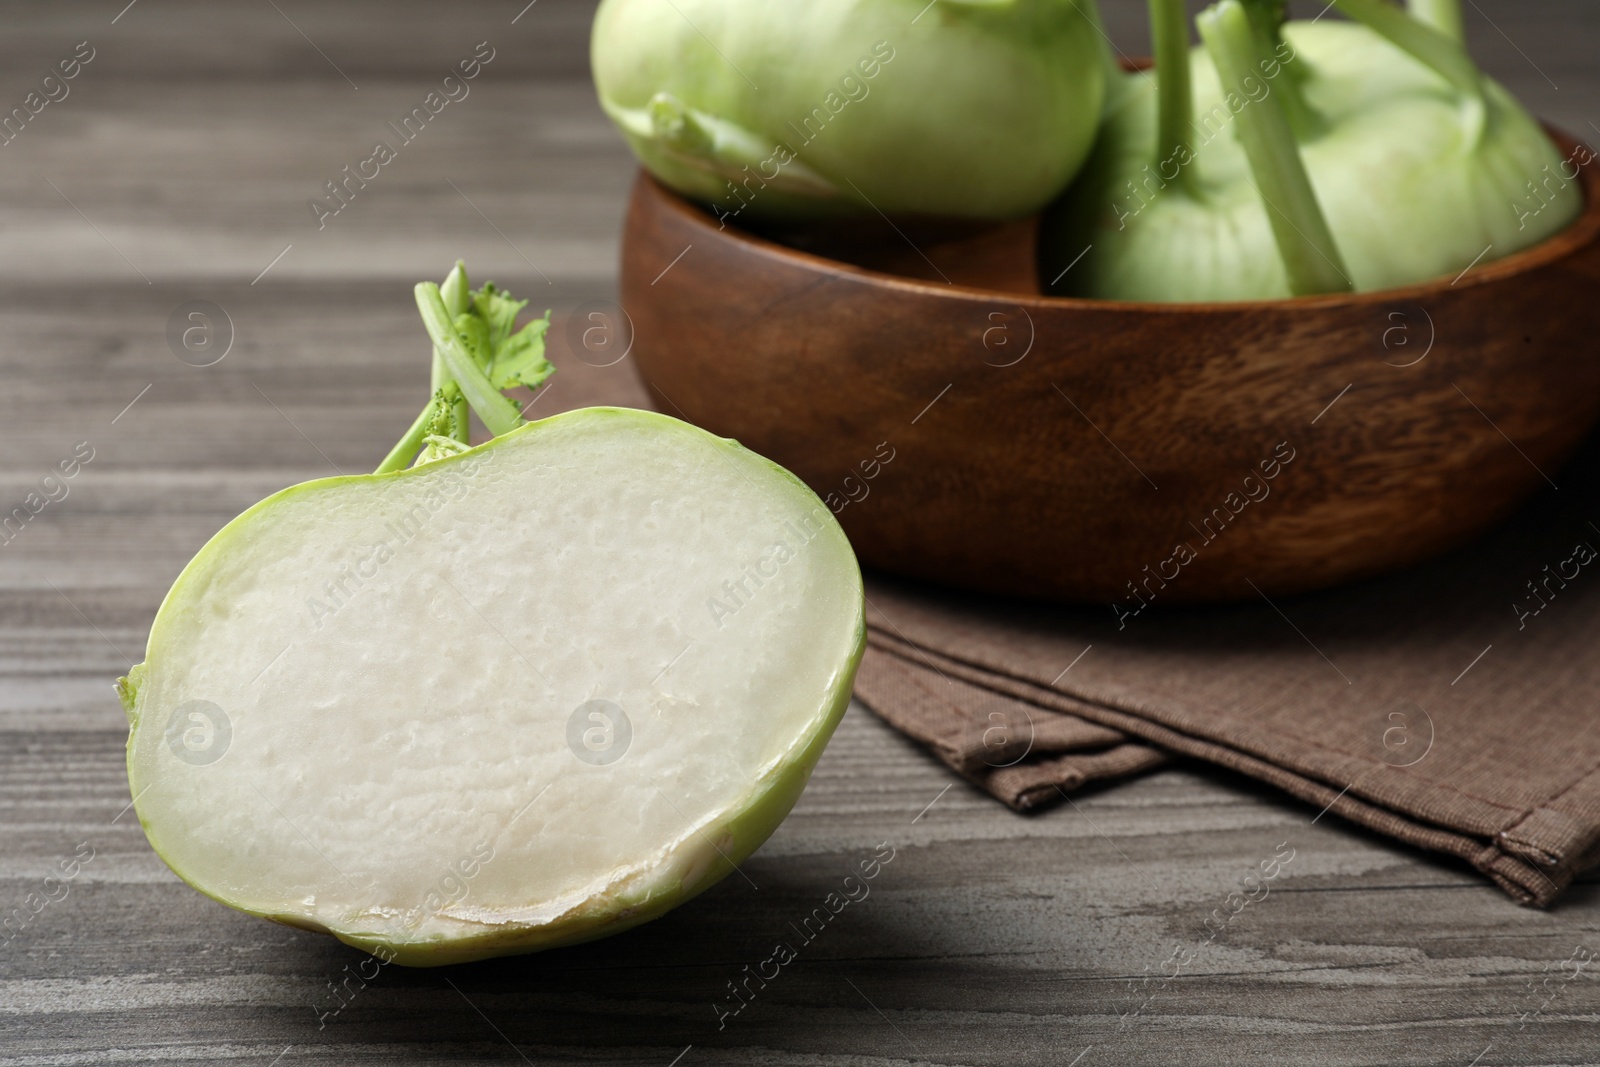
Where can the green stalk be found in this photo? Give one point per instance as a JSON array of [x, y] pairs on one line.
[[401, 455], [1422, 42], [1310, 256], [1442, 15], [498, 413], [458, 296], [1266, 19], [1169, 32], [456, 293]]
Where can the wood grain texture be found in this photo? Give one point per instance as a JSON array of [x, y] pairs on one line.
[[191, 144]]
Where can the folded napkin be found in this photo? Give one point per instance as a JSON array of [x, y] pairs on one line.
[[1455, 706]]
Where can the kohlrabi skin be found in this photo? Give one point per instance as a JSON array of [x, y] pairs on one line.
[[785, 109], [519, 695], [1410, 165]]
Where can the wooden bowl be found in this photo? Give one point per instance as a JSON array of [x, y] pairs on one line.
[[971, 432]]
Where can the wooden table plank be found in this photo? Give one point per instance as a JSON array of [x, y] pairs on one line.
[[190, 145]]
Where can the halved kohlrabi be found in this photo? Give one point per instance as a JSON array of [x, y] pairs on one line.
[[521, 695]]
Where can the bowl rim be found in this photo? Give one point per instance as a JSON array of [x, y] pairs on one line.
[[1582, 232]]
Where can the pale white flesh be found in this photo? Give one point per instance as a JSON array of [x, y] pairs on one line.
[[398, 659]]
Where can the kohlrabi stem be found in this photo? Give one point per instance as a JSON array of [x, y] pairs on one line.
[[401, 455], [1310, 257], [456, 292], [1267, 18], [498, 413], [458, 297], [1169, 32], [1422, 42], [1442, 15]]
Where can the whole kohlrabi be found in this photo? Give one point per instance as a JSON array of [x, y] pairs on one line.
[[789, 109], [1311, 157]]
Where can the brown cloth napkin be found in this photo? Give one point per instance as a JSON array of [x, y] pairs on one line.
[[1454, 706]]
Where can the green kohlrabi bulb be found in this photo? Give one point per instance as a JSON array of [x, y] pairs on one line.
[[784, 109], [1410, 165]]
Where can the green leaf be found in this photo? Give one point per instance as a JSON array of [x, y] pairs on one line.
[[509, 359], [499, 311], [520, 360], [476, 357], [474, 334]]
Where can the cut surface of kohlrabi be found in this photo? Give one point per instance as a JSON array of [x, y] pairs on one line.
[[526, 695]]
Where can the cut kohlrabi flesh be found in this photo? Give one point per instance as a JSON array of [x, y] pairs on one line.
[[526, 694]]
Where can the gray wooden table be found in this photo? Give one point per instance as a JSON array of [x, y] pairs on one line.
[[178, 168]]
